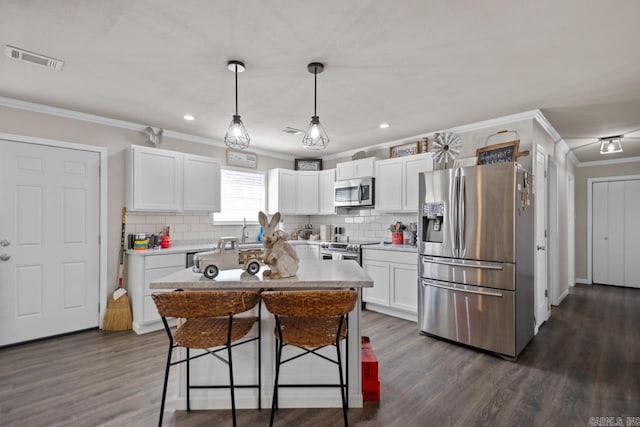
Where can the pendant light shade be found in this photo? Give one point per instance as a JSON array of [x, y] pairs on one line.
[[315, 138], [237, 135]]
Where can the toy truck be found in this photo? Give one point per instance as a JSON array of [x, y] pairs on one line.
[[227, 256]]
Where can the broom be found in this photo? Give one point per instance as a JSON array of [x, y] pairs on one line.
[[118, 314]]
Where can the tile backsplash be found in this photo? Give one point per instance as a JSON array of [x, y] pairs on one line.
[[367, 224], [197, 228]]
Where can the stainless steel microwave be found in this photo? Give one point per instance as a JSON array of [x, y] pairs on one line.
[[353, 192]]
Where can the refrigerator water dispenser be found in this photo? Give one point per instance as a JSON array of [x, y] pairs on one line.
[[432, 222]]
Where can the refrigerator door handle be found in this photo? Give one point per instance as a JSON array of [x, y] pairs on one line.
[[451, 288], [453, 227], [461, 215], [455, 263]]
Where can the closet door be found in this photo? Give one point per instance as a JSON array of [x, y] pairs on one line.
[[632, 233], [609, 233]]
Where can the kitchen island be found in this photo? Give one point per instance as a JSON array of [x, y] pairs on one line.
[[312, 274]]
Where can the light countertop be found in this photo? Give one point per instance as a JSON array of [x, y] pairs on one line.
[[312, 274], [390, 247]]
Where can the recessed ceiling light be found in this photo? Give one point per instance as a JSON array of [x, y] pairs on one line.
[[189, 117], [384, 125]]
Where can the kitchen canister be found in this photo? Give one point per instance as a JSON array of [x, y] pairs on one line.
[[397, 238]]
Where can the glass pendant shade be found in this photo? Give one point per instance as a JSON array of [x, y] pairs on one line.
[[315, 138], [237, 136]]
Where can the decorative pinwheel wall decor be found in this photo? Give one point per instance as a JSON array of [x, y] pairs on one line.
[[447, 146]]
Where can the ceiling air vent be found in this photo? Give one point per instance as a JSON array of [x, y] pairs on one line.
[[33, 58], [292, 131]]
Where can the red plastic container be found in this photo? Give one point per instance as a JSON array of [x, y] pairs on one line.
[[397, 238], [370, 381]]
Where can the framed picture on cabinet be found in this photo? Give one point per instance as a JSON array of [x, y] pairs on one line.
[[308, 164]]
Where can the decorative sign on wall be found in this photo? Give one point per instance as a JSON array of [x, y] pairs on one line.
[[408, 149], [242, 158], [504, 152], [308, 164]]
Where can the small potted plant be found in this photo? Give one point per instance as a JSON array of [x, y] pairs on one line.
[[397, 235]]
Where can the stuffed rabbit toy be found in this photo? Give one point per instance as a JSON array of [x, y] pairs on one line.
[[278, 254]]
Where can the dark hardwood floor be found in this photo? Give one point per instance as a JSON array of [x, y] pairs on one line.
[[585, 362]]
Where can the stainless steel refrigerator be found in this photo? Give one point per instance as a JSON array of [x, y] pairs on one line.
[[476, 263]]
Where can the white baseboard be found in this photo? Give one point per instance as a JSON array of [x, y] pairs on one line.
[[563, 296], [583, 281]]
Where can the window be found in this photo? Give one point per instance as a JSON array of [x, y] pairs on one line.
[[242, 195]]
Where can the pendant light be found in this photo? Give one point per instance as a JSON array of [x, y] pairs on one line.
[[315, 138], [236, 136]]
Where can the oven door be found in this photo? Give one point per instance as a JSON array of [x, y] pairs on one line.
[[328, 255]]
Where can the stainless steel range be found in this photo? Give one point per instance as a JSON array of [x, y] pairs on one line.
[[344, 250]]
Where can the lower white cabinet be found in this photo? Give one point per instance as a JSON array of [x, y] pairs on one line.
[[395, 282], [142, 270]]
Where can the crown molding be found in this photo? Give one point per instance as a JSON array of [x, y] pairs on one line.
[[608, 162], [122, 124]]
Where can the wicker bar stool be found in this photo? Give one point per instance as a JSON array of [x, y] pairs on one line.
[[210, 322], [310, 320]]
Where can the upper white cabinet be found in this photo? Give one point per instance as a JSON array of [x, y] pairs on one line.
[[301, 192], [356, 169], [308, 191], [201, 183], [397, 182], [282, 191], [388, 184], [163, 180], [327, 179]]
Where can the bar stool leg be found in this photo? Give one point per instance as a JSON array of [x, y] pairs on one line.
[[166, 380], [342, 386], [188, 384], [274, 401], [233, 394]]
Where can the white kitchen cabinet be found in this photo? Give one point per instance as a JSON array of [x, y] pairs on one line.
[[389, 184], [154, 179], [169, 181], [201, 183], [397, 182], [327, 179], [395, 282], [282, 191], [298, 192], [142, 270], [362, 168], [307, 192]]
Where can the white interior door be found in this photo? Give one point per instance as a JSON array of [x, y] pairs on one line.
[[632, 233], [609, 233], [541, 278], [49, 227]]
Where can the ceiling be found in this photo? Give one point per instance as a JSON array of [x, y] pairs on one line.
[[419, 65]]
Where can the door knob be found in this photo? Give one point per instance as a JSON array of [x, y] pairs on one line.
[[5, 257], [4, 242], [541, 248]]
